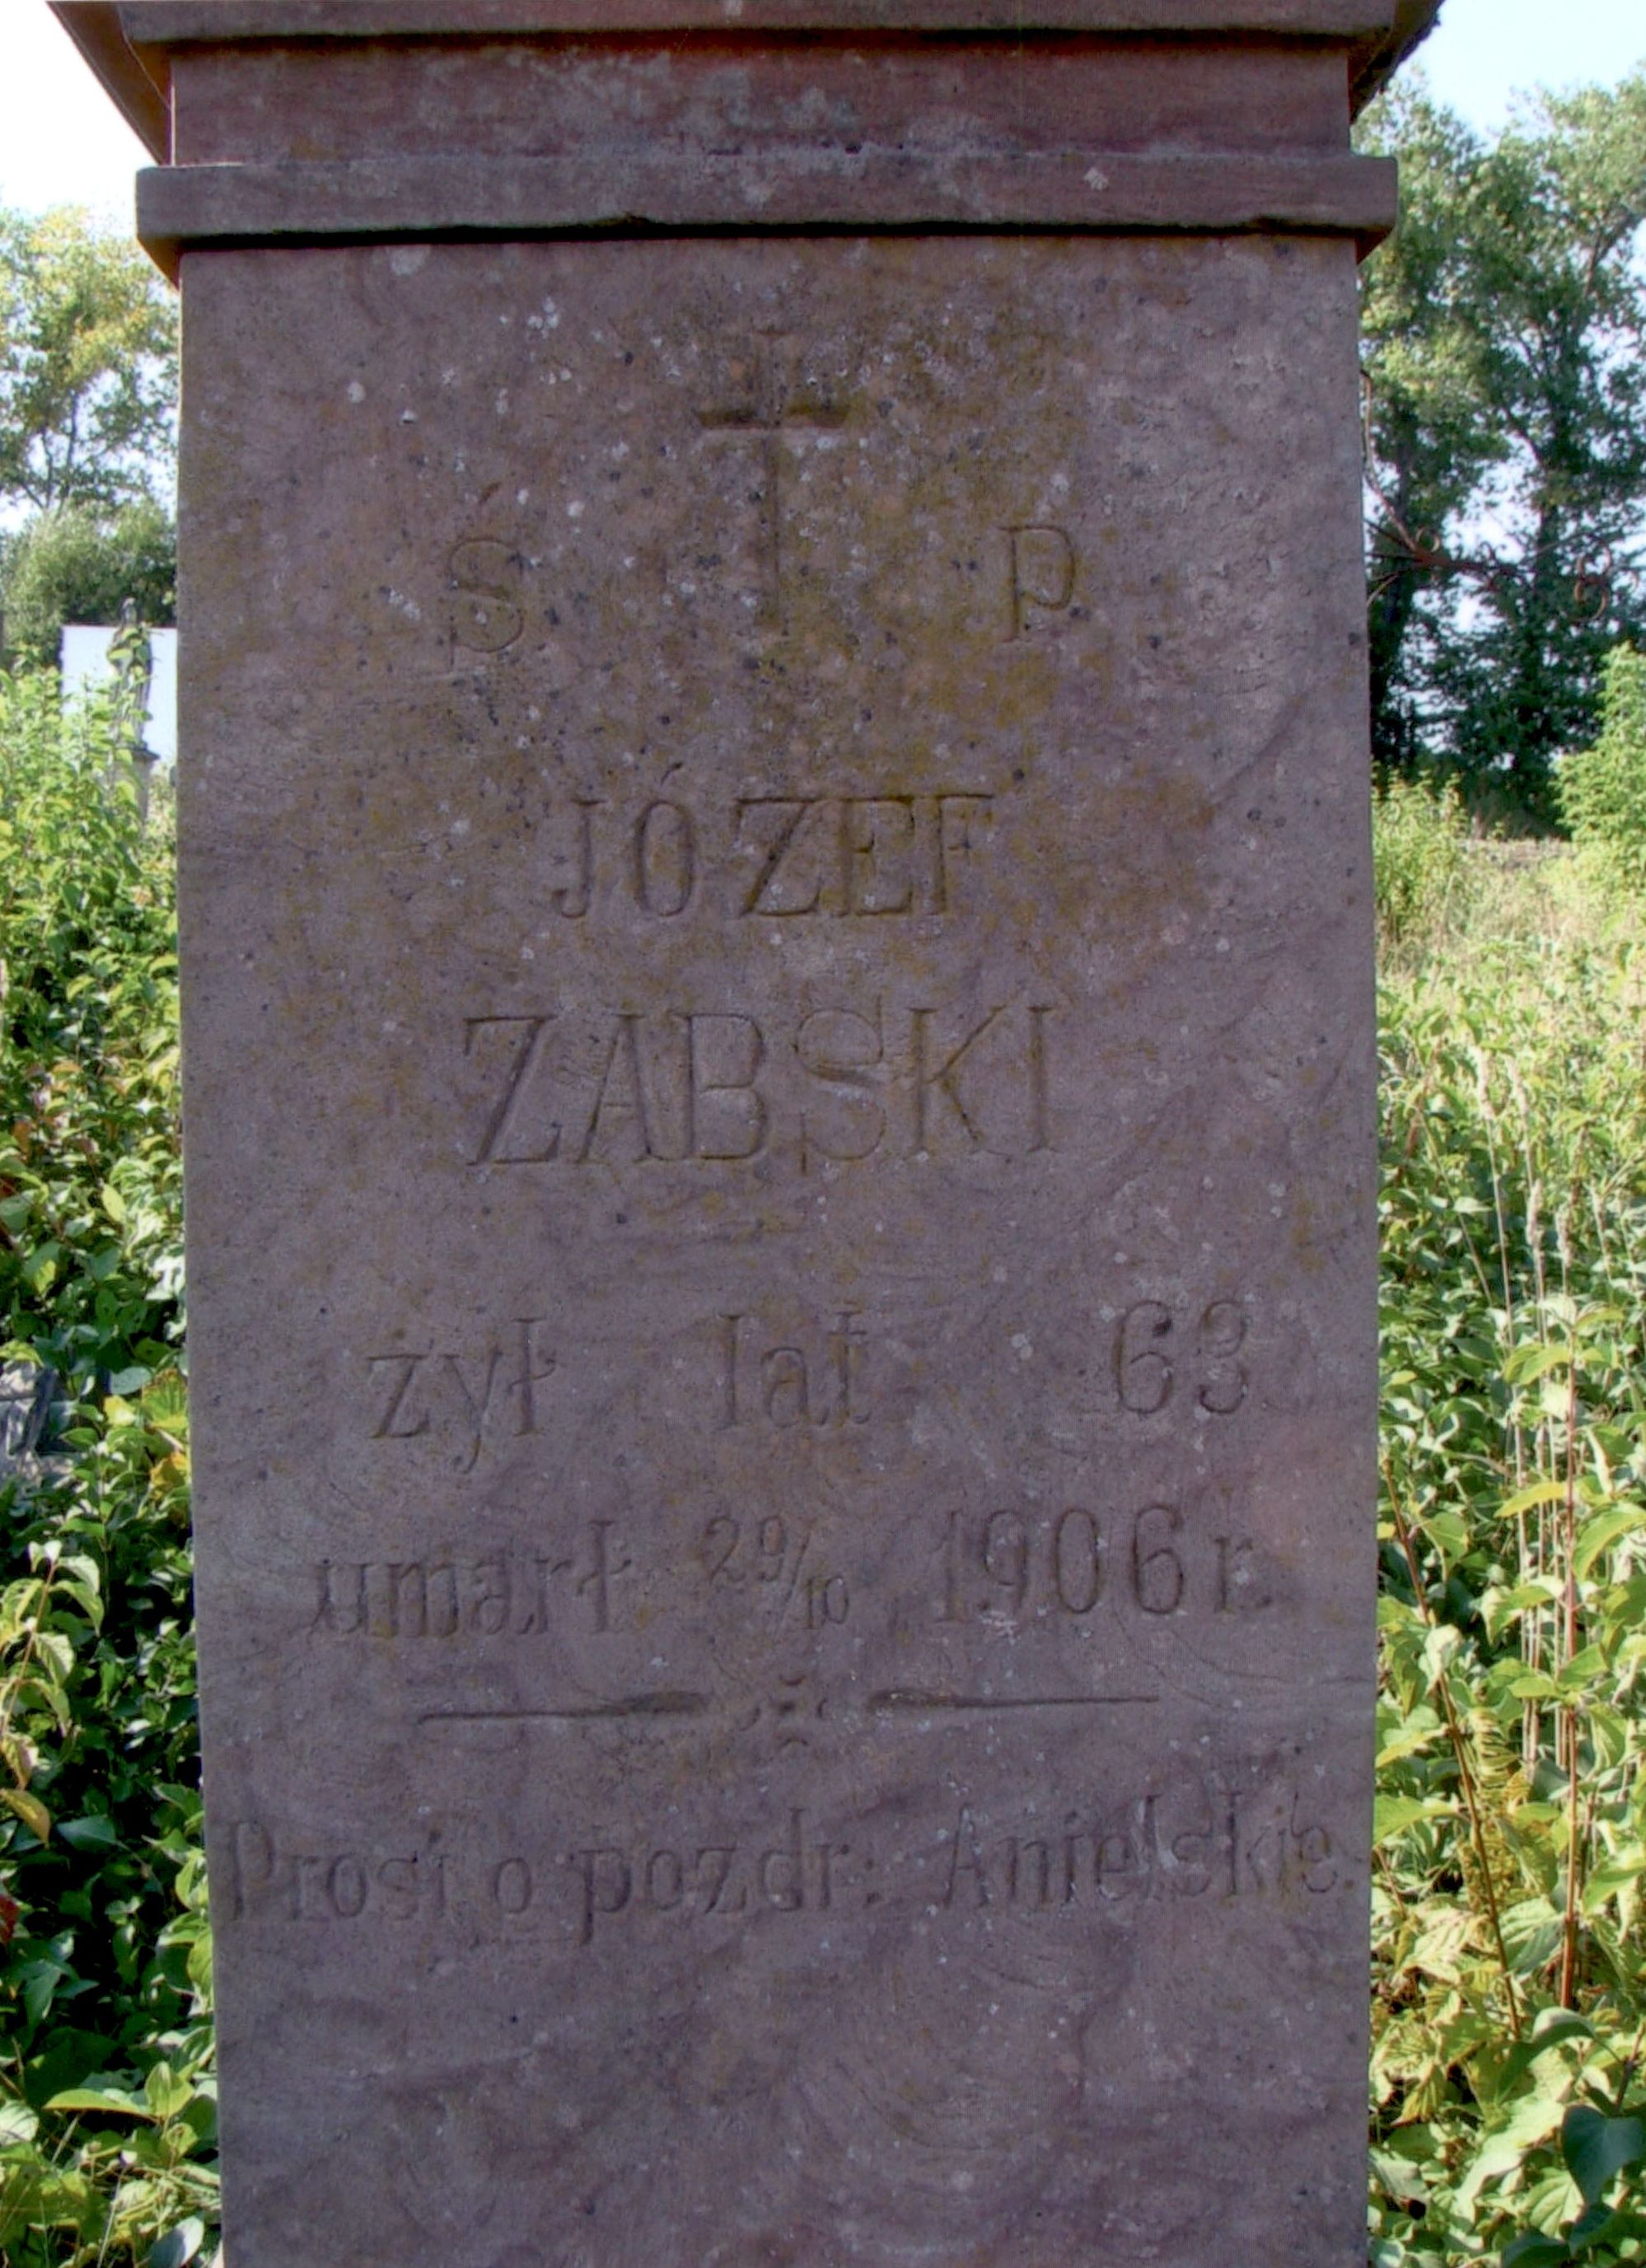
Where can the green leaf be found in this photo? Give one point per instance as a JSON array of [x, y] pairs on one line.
[[1596, 2148], [200, 1964], [166, 2094], [1535, 2251], [1529, 1362], [1413, 1734], [1501, 1606], [94, 1832], [1586, 1665], [1448, 1532], [179, 2245], [1393, 1814], [1598, 1534], [119, 2100], [54, 1649], [1531, 1935], [29, 1809], [41, 1982], [1441, 1648], [1551, 2027], [1534, 1685], [1528, 1499], [39, 1271], [89, 1602], [1594, 2226], [18, 2124], [1616, 1871], [1397, 2179], [1530, 2120]]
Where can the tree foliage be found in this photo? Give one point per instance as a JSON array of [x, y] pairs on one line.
[[1603, 788], [88, 391], [74, 566], [88, 365], [1505, 385]]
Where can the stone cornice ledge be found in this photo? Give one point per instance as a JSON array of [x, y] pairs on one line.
[[174, 23], [1080, 191], [129, 46]]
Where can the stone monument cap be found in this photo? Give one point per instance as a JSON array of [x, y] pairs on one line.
[[553, 129], [127, 45]]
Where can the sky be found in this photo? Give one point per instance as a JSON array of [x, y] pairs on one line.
[[62, 142]]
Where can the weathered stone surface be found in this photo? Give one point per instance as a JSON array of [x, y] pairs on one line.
[[342, 138], [127, 46], [777, 942], [778, 919], [173, 22]]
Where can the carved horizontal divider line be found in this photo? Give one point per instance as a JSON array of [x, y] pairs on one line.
[[913, 1701], [895, 1702], [172, 22], [1080, 191], [578, 1712]]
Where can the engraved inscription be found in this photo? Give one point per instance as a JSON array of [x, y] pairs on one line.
[[858, 855], [896, 854], [466, 1399], [1232, 1845], [810, 1378], [484, 574], [771, 1561], [1014, 1566], [1115, 1852], [1156, 1358], [1003, 1566], [791, 1874], [685, 1086], [1041, 570], [268, 1880], [665, 856], [505, 1594]]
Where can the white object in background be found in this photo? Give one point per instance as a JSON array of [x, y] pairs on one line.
[[84, 659]]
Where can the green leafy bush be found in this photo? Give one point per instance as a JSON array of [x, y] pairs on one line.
[[106, 2109], [1603, 788], [1419, 860]]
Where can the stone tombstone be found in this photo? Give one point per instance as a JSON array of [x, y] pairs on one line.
[[780, 1178]]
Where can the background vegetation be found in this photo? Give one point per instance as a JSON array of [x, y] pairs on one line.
[[88, 412], [1509, 1983], [1505, 396], [105, 2102], [1507, 469]]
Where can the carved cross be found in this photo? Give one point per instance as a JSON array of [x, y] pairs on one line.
[[768, 406]]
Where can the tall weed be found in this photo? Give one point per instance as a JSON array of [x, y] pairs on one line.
[[1602, 789], [1423, 876], [107, 2111], [1509, 1991]]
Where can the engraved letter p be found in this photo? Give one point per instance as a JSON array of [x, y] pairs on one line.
[[1042, 573]]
